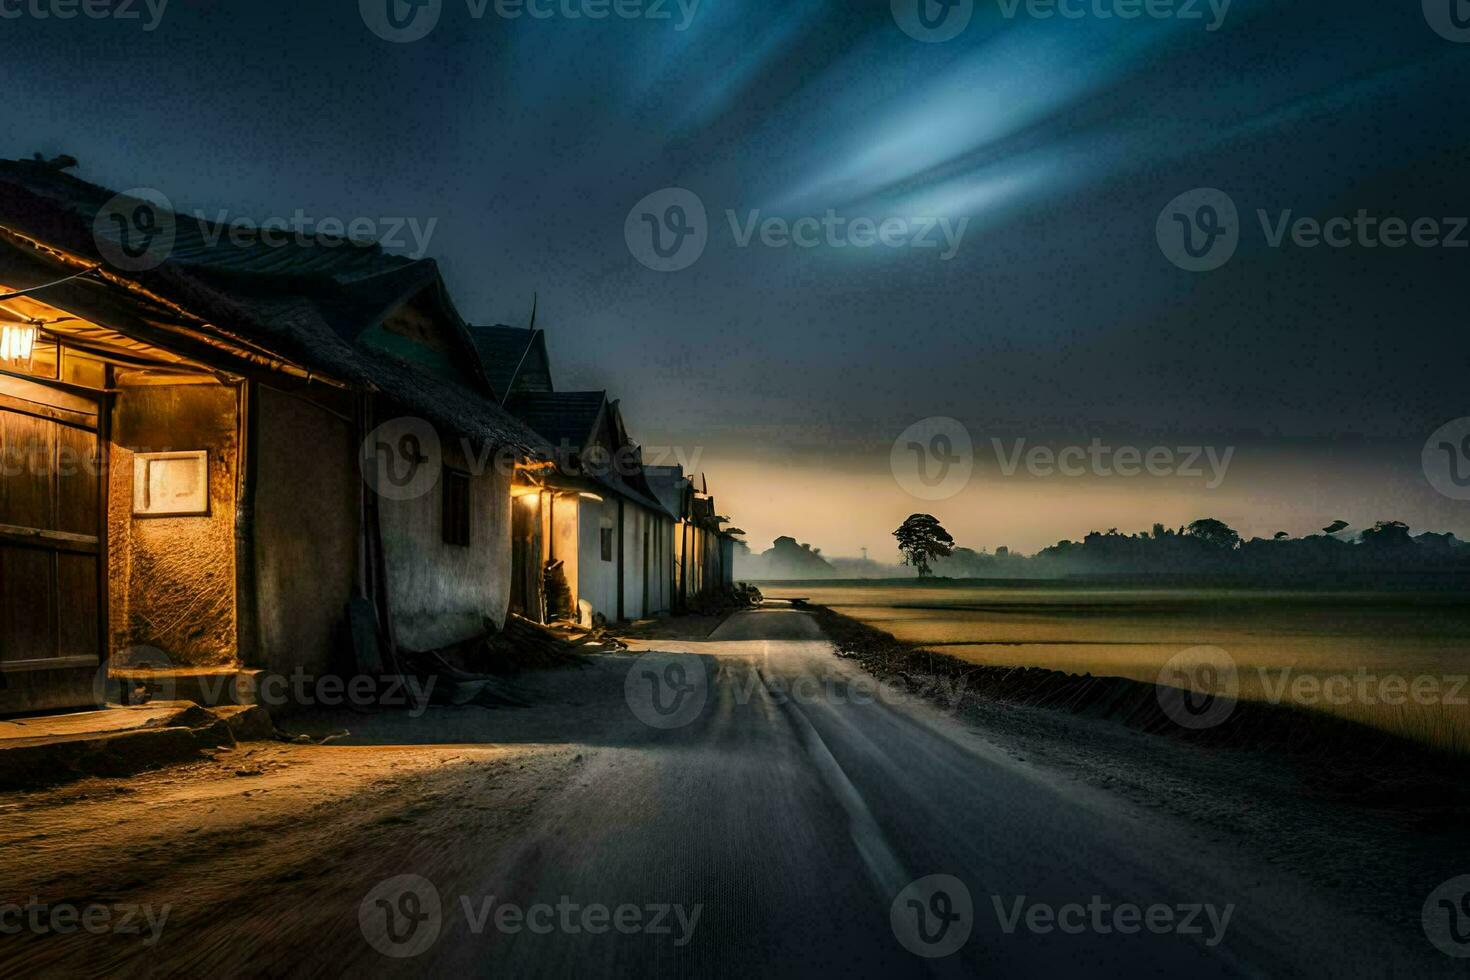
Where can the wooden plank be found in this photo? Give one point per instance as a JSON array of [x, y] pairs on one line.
[[79, 605], [78, 497], [80, 419], [32, 537], [27, 454], [27, 604], [52, 393], [49, 663], [103, 581]]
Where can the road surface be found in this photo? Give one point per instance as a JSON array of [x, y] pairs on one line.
[[745, 805]]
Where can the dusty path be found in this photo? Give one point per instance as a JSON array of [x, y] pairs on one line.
[[787, 809]]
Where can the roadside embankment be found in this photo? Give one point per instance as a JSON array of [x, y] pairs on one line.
[[1338, 748]]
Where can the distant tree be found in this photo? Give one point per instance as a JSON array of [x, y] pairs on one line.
[[1281, 536], [1003, 552], [1215, 533], [921, 538], [1336, 526], [1388, 534]]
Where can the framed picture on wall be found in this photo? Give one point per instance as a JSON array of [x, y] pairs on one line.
[[171, 484]]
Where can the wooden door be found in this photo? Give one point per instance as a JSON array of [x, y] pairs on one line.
[[51, 547], [525, 557]]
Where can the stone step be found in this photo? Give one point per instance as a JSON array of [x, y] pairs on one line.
[[207, 686], [45, 750]]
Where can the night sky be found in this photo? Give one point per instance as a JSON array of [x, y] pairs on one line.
[[787, 372]]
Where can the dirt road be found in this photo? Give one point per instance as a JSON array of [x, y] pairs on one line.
[[748, 804]]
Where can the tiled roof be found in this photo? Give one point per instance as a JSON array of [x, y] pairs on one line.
[[565, 418], [501, 351], [305, 303]]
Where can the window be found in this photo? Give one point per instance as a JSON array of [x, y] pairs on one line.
[[456, 507], [171, 484], [607, 544]]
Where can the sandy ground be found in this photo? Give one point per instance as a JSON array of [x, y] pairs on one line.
[[790, 824], [251, 851]]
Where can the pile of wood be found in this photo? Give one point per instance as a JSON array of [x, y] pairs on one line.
[[478, 671], [526, 645], [740, 596]]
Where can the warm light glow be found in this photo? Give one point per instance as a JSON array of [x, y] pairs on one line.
[[17, 340], [529, 498]]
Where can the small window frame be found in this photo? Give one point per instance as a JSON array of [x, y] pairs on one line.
[[455, 510]]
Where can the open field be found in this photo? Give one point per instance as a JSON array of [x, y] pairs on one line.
[[1398, 661]]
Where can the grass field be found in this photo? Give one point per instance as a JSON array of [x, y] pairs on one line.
[[1398, 661]]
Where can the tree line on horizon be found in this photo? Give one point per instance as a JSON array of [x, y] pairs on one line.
[[1205, 546], [1209, 545]]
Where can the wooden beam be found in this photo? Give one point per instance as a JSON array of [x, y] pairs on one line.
[[85, 544]]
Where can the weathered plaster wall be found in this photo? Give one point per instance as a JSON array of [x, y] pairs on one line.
[[306, 528], [173, 578], [443, 593]]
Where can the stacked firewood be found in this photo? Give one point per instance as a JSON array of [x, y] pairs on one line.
[[526, 645]]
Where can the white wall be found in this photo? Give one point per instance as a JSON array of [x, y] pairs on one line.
[[635, 519], [597, 580], [657, 564]]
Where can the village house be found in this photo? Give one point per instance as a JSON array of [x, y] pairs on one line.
[[190, 452], [590, 541], [704, 549], [230, 457]]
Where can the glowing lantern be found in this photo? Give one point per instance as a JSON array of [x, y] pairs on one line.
[[17, 340]]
